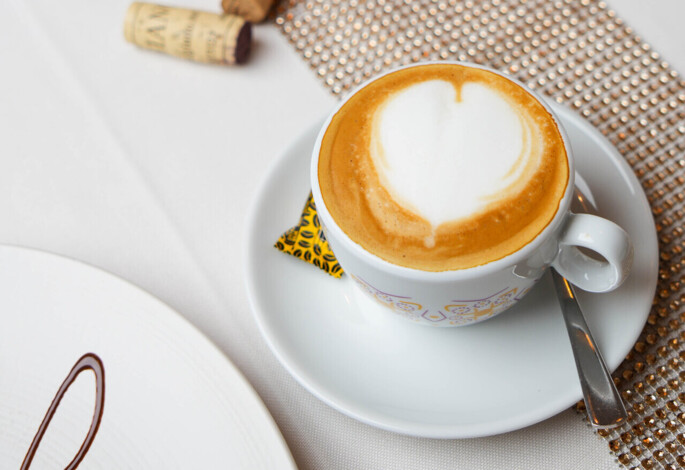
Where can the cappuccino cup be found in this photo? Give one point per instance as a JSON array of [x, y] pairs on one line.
[[444, 190]]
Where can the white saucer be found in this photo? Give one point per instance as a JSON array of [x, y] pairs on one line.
[[504, 374], [172, 399]]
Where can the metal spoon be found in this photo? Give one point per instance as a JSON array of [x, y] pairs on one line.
[[604, 406]]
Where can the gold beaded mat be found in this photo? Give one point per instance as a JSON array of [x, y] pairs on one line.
[[580, 54]]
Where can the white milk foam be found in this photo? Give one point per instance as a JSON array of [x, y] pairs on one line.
[[445, 159]]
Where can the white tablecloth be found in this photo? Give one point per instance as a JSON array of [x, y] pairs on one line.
[[145, 165]]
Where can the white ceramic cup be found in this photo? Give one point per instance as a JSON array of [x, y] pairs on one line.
[[467, 296]]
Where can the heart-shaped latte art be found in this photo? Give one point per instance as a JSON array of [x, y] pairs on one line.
[[445, 155]]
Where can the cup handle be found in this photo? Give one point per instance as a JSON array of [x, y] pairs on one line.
[[601, 236]]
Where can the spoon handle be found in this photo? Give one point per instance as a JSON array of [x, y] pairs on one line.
[[603, 403]]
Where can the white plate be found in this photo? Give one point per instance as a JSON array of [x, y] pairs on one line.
[[506, 373], [172, 400]]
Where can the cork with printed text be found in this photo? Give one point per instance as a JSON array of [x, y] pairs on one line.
[[189, 34]]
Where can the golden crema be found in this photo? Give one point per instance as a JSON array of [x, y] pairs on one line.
[[442, 167]]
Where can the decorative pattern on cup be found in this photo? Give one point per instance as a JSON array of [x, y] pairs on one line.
[[457, 312], [404, 306], [462, 312]]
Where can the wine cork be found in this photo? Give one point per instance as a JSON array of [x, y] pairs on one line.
[[195, 35], [251, 10]]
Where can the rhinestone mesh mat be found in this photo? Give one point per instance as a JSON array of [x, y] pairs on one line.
[[582, 55]]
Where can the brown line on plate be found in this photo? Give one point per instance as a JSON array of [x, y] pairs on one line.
[[87, 361]]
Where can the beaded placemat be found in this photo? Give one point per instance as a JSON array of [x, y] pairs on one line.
[[582, 55]]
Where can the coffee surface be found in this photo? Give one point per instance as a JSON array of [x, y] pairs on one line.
[[442, 167]]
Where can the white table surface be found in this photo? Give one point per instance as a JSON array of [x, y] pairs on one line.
[[144, 165]]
